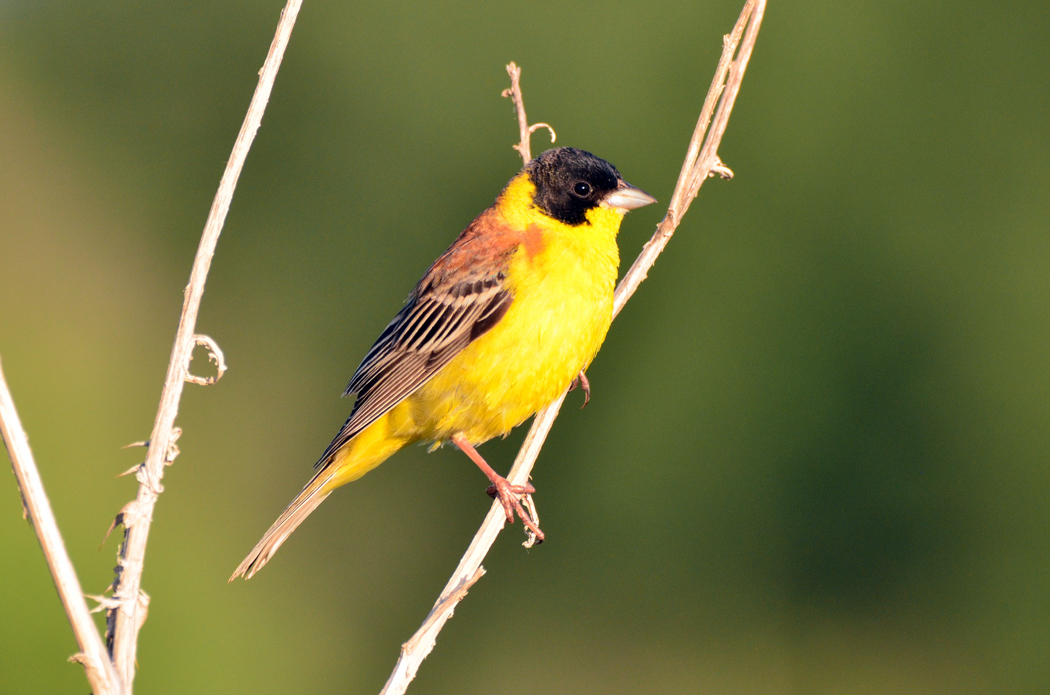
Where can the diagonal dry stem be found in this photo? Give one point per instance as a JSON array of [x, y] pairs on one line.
[[126, 619], [701, 161], [525, 130], [100, 672]]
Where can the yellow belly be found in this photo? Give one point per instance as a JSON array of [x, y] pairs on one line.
[[561, 313], [563, 297]]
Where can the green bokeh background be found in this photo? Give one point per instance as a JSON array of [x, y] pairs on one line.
[[818, 455]]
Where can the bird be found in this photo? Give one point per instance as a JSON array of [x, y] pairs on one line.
[[504, 321]]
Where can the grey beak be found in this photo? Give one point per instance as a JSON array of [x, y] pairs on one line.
[[627, 197]]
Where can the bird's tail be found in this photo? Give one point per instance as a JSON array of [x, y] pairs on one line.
[[369, 448], [305, 502]]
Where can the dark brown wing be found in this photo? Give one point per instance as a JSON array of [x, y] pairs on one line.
[[459, 299]]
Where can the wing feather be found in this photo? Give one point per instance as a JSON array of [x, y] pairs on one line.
[[456, 302]]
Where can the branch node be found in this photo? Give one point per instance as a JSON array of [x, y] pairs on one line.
[[720, 169], [173, 448], [524, 129], [442, 610], [91, 667], [148, 480], [215, 356], [132, 513], [105, 603], [129, 515]]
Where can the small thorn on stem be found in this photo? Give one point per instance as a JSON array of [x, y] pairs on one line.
[[127, 517], [117, 521], [133, 469]]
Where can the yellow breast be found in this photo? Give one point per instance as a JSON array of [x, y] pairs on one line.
[[562, 281]]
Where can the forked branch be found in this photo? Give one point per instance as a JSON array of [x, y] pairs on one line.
[[525, 130], [112, 673], [701, 161]]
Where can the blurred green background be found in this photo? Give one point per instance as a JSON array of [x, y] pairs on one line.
[[818, 455]]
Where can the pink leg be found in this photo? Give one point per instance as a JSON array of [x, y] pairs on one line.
[[581, 380], [509, 495]]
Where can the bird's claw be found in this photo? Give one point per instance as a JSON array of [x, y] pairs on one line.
[[581, 380], [510, 497]]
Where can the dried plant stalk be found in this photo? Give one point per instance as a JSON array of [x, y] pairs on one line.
[[100, 672], [126, 610], [525, 130], [129, 611], [701, 161]]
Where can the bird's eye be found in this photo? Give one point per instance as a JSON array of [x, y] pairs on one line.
[[582, 189]]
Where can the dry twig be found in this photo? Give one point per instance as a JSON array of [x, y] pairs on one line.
[[100, 672], [525, 130], [701, 162], [126, 609], [127, 617]]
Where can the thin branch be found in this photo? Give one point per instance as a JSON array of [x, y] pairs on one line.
[[128, 616], [100, 672], [525, 131], [701, 162], [426, 636]]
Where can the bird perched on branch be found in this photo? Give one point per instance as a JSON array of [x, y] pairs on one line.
[[498, 327]]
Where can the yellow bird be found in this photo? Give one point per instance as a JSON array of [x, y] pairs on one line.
[[499, 326]]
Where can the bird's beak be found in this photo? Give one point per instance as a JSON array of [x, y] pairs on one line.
[[627, 197]]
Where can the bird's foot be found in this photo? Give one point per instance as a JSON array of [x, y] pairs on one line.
[[581, 381], [510, 497]]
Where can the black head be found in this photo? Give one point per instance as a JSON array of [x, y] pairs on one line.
[[569, 182]]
